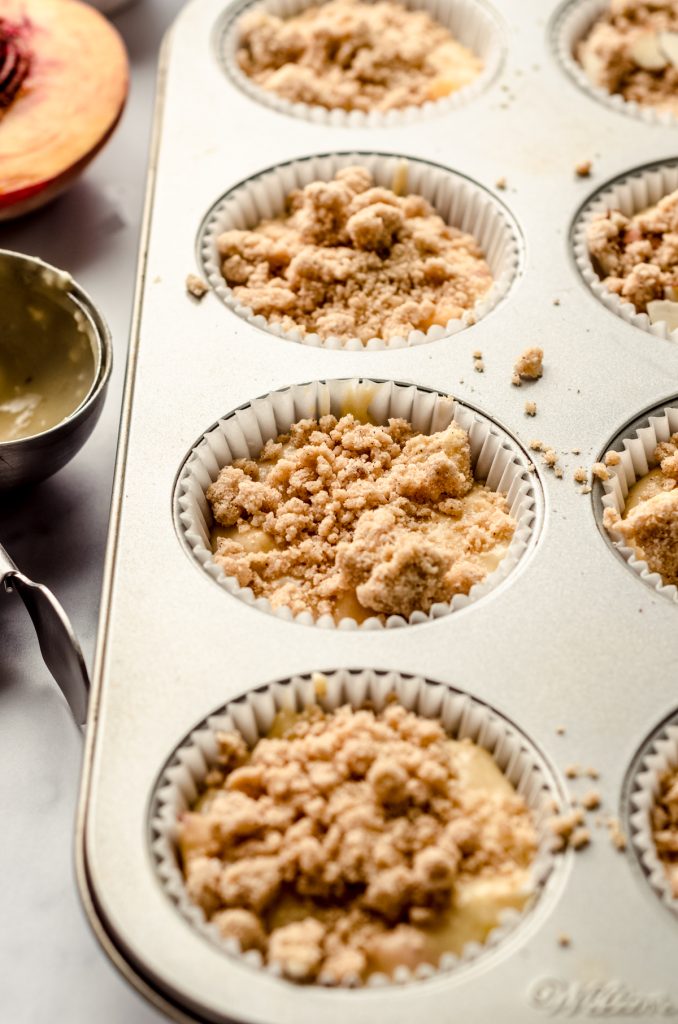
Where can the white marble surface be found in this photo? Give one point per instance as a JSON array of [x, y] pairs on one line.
[[51, 968]]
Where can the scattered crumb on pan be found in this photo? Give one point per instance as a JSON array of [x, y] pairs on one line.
[[528, 365], [195, 286]]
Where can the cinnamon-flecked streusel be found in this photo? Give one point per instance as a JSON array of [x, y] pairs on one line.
[[637, 257], [351, 519], [650, 517], [351, 259], [664, 818], [349, 55], [632, 50], [351, 842]]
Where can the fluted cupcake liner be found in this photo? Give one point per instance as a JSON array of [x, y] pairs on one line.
[[660, 755], [636, 451], [472, 23], [496, 460], [570, 26], [252, 715], [458, 200], [630, 194]]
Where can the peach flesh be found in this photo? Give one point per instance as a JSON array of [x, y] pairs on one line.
[[63, 85]]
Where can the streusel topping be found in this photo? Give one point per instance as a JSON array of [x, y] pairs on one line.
[[664, 818], [650, 518], [349, 518], [350, 259], [637, 257], [353, 842], [632, 50], [354, 56]]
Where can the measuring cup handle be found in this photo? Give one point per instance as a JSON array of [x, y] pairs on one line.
[[7, 566]]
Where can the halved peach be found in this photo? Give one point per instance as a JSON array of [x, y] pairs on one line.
[[64, 78]]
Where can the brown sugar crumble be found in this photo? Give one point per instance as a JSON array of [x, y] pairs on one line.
[[530, 408], [580, 475], [599, 471], [637, 257], [196, 287], [617, 837], [350, 55], [349, 259], [564, 940], [664, 821], [528, 366], [649, 522], [351, 519], [353, 842], [583, 168], [632, 50], [500, 183], [591, 800], [564, 827], [580, 838]]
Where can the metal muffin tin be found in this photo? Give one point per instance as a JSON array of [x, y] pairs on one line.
[[575, 639]]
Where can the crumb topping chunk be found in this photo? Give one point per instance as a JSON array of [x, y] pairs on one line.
[[342, 517], [350, 259], [350, 55], [350, 842]]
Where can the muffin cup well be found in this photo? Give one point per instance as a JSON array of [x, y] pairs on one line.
[[660, 755], [472, 23], [630, 194], [496, 459], [252, 715], [571, 24], [636, 450], [458, 200]]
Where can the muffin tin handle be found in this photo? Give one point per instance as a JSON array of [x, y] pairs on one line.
[[59, 645]]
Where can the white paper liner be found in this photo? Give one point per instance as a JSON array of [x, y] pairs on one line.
[[630, 194], [660, 756], [252, 715], [472, 23], [636, 449], [458, 200], [496, 459], [570, 25]]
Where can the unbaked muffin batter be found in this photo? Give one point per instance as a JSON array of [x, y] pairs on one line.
[[632, 50], [649, 522], [664, 819], [354, 56], [637, 257], [351, 519], [350, 259], [353, 842]]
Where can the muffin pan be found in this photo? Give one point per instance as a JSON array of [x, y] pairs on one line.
[[573, 639]]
